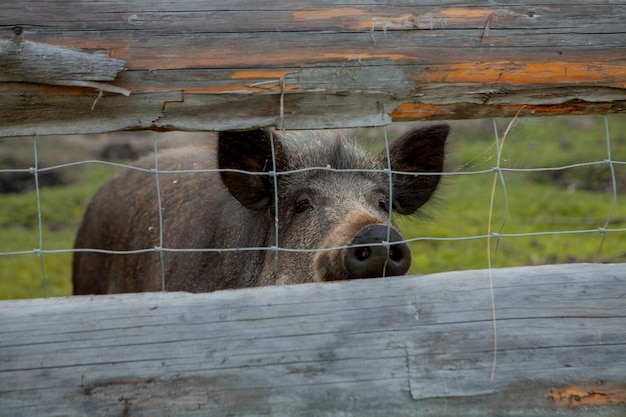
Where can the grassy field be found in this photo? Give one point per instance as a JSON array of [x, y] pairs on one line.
[[551, 208], [558, 203]]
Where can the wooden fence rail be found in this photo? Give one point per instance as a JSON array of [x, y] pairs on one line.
[[86, 67], [407, 346]]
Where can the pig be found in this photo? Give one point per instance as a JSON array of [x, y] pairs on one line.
[[318, 199]]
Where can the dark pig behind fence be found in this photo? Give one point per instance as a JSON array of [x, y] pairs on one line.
[[330, 195]]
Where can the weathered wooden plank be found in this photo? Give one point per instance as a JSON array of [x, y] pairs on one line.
[[417, 346], [246, 16], [375, 62], [32, 62]]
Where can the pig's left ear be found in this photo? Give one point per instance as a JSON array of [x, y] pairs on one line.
[[249, 151], [418, 150]]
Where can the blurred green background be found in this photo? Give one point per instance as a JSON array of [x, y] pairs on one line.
[[575, 199]]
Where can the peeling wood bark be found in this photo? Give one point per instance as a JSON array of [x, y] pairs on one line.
[[232, 61], [32, 62], [404, 346]]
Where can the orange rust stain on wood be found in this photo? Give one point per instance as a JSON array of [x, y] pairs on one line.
[[413, 111], [460, 15], [554, 72], [584, 396], [365, 20]]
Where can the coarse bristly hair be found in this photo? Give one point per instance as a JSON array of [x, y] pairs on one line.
[[334, 149]]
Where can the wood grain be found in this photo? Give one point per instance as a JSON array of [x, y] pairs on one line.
[[414, 346], [229, 65]]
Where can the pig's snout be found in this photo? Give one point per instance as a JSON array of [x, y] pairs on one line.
[[370, 261]]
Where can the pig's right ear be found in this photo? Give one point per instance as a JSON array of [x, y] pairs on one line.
[[248, 151], [419, 150]]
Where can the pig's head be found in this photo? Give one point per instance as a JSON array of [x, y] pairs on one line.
[[343, 205]]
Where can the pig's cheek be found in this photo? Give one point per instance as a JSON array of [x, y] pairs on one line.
[[329, 266]]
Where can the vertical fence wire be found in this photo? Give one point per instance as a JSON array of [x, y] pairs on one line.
[[498, 177], [491, 260], [159, 249], [40, 250], [274, 175], [280, 124], [491, 236], [609, 161], [390, 204]]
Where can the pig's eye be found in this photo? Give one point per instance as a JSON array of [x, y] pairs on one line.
[[382, 204], [302, 206]]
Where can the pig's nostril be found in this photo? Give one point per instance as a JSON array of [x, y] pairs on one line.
[[395, 254], [362, 253]]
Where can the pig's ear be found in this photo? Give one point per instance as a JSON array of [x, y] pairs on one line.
[[248, 151], [418, 150]]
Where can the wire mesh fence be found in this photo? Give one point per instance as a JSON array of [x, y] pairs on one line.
[[514, 192]]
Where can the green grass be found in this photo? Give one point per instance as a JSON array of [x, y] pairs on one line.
[[537, 202], [21, 276], [533, 208], [578, 199]]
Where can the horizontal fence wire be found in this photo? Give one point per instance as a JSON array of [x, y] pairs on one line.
[[497, 234]]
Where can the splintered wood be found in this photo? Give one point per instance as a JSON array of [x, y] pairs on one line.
[[315, 64]]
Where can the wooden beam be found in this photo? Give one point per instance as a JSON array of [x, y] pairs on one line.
[[311, 64], [407, 346]]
